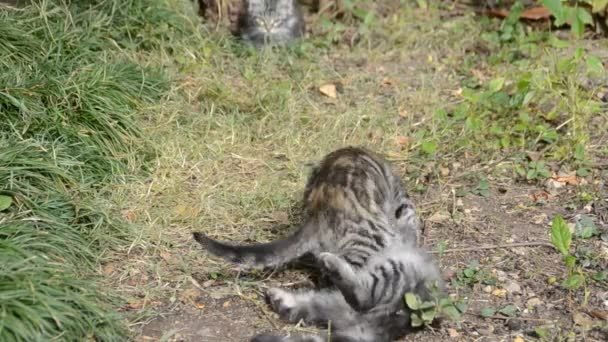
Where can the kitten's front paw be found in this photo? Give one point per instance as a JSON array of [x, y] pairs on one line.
[[329, 261], [283, 303]]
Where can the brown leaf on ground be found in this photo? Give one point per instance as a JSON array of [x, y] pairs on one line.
[[129, 215], [453, 333], [541, 195], [403, 141], [108, 268], [329, 90], [568, 179], [386, 82], [601, 314], [536, 13]]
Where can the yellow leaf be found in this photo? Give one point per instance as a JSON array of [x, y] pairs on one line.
[[500, 293], [329, 90]]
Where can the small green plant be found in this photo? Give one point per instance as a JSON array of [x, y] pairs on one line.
[[473, 274], [577, 13], [423, 313], [561, 237]]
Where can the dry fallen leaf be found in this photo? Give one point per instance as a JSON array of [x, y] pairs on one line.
[[108, 268], [500, 293], [329, 90], [453, 333], [129, 215], [541, 195], [567, 179], [403, 141], [136, 305], [601, 314], [536, 13]]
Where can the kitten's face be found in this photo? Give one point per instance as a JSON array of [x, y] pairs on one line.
[[269, 15], [271, 21]]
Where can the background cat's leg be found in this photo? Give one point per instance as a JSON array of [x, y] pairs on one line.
[[310, 305], [353, 285]]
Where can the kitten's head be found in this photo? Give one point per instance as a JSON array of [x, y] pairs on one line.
[[270, 22]]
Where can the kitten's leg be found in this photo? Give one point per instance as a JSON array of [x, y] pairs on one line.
[[274, 338], [354, 286], [311, 306]]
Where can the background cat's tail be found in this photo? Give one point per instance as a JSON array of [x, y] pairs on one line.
[[269, 254]]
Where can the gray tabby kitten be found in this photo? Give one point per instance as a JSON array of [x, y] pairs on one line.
[[356, 208], [270, 22], [368, 305]]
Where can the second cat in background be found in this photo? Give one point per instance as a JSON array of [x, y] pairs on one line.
[[270, 22]]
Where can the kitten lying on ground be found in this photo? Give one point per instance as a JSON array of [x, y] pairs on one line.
[[362, 228]]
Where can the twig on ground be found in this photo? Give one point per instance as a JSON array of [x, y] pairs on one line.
[[507, 245], [506, 318]]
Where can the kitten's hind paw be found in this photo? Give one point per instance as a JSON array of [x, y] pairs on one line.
[[284, 303]]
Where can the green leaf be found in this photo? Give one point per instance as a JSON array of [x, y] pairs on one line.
[[416, 320], [556, 8], [599, 5], [579, 152], [426, 305], [558, 43], [600, 276], [496, 84], [594, 65], [5, 202], [508, 310], [412, 301], [570, 261], [461, 306], [587, 232], [583, 15], [582, 172], [560, 235], [452, 313], [574, 281], [488, 311], [577, 26], [429, 147], [429, 315], [542, 332]]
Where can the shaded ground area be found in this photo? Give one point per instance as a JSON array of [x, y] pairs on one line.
[[238, 136]]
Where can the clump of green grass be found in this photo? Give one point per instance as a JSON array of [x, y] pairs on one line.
[[69, 93]]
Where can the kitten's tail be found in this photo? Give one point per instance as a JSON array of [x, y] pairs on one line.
[[271, 254]]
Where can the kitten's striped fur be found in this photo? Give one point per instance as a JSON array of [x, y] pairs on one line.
[[368, 304], [356, 207]]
